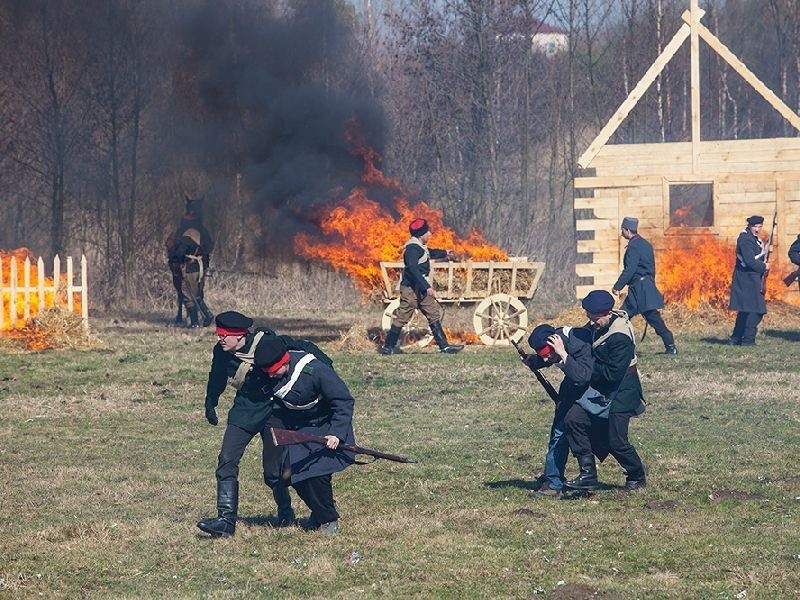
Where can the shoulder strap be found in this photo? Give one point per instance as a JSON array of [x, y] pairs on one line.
[[287, 387], [248, 359]]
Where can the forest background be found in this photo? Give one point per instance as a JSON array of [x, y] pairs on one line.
[[112, 110]]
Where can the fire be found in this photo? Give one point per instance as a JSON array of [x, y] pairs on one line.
[[697, 271], [359, 232], [34, 336]]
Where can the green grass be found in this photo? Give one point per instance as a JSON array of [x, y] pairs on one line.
[[106, 462]]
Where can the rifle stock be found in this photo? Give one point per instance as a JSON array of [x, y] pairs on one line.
[[764, 276], [791, 278], [287, 437], [545, 383]]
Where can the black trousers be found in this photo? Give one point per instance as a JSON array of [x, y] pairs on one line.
[[581, 427], [744, 331], [653, 317], [317, 493], [234, 443]]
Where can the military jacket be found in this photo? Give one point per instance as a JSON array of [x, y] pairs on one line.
[[614, 374], [639, 273], [746, 293], [417, 265], [578, 367], [313, 399]]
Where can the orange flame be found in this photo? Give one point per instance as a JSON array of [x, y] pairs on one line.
[[697, 270], [360, 233], [35, 337]]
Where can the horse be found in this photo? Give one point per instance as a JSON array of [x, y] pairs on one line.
[[192, 218]]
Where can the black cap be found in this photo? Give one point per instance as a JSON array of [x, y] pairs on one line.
[[754, 220], [538, 337], [270, 350], [233, 321], [598, 302]]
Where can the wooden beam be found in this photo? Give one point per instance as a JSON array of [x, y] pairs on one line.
[[636, 93], [694, 64], [746, 74]]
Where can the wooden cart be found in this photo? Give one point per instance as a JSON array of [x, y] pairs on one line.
[[497, 287]]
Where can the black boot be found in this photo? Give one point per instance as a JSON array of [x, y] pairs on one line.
[[179, 314], [587, 480], [227, 509], [441, 340], [208, 316], [191, 312], [283, 501], [671, 349], [390, 345]]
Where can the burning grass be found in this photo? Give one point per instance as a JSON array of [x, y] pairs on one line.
[[51, 329]]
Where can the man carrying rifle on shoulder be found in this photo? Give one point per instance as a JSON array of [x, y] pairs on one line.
[[569, 349], [746, 295], [311, 398]]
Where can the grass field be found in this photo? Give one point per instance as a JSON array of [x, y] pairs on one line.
[[106, 463]]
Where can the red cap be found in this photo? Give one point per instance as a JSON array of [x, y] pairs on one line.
[[544, 351], [275, 367], [226, 331]]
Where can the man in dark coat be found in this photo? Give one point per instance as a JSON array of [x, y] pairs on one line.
[[794, 251], [639, 274], [310, 398], [416, 291], [613, 398], [746, 296], [251, 414], [569, 349]]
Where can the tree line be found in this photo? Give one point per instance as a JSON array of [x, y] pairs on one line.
[[112, 110]]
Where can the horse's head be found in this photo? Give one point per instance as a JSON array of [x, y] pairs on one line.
[[194, 207]]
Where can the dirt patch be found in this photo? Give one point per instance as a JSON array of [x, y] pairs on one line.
[[662, 505], [580, 591], [721, 495]]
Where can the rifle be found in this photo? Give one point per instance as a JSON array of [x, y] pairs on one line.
[[286, 437], [791, 277], [769, 251], [548, 387]]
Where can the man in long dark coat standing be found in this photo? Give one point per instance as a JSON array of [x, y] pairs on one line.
[[639, 274], [746, 296]]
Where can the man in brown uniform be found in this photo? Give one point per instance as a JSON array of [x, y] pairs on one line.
[[416, 292]]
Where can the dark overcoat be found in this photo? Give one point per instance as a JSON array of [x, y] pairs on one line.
[[794, 251], [612, 358], [252, 406], [415, 273], [577, 368], [746, 293], [331, 415], [639, 274]]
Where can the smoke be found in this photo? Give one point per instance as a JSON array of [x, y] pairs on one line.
[[268, 93]]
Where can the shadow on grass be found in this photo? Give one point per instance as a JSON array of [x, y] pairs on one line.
[[716, 341], [781, 334]]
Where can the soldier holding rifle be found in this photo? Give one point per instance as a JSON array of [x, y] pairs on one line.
[[639, 274], [569, 349], [250, 415], [311, 398], [416, 291], [746, 295]]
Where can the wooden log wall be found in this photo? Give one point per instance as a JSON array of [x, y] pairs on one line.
[[748, 176]]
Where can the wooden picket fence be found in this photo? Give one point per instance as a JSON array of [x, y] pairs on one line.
[[43, 286]]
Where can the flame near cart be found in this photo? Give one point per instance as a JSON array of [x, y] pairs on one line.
[[497, 287]]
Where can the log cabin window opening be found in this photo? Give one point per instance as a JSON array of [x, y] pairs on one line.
[[690, 206]]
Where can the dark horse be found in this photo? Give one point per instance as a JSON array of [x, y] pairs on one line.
[[192, 219]]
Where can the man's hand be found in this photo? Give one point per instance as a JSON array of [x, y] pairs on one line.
[[616, 292], [431, 292], [333, 442], [451, 255], [211, 415], [557, 344]]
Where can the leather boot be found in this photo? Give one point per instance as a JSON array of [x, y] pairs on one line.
[[208, 316], [283, 501], [587, 479], [441, 340], [227, 509], [179, 314], [191, 312], [390, 345]]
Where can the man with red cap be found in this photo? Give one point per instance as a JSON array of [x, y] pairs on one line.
[[569, 349], [746, 296], [251, 414], [416, 291], [613, 398], [311, 398]]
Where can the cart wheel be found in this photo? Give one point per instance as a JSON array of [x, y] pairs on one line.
[[416, 332], [499, 319]]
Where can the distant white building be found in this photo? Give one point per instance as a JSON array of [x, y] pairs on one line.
[[547, 39]]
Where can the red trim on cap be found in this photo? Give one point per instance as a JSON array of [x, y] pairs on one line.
[[417, 223], [227, 331], [544, 351], [273, 368]]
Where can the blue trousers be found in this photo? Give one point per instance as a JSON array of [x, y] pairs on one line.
[[557, 450]]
